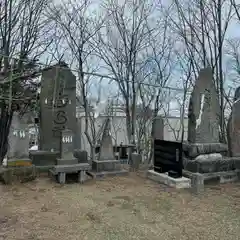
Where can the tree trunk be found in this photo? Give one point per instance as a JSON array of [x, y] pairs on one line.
[[5, 123]]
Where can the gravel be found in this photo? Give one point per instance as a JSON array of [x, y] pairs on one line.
[[121, 208]]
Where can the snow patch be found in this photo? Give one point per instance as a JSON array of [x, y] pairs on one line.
[[4, 162], [34, 148]]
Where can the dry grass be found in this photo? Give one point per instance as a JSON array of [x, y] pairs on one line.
[[117, 208]]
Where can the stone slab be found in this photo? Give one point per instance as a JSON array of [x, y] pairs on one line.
[[106, 165], [71, 168], [61, 161], [163, 178], [43, 158], [42, 169], [209, 166], [193, 150], [9, 175], [219, 177], [19, 162], [60, 177], [103, 174]]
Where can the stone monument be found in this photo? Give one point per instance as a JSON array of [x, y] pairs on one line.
[[106, 164], [57, 112], [18, 165], [233, 127], [158, 128], [204, 151], [204, 156], [67, 163], [18, 142]]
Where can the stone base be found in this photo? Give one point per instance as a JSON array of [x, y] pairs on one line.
[[99, 175], [61, 176], [193, 150], [209, 165], [25, 162], [44, 158], [199, 180], [106, 165], [10, 175], [71, 168], [71, 161], [163, 178], [60, 171]]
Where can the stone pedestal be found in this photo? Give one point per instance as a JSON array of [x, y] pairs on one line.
[[67, 163], [163, 178], [106, 163], [44, 160], [18, 174], [60, 171], [135, 162], [106, 168], [206, 158]]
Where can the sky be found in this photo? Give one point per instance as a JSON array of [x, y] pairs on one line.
[[112, 90]]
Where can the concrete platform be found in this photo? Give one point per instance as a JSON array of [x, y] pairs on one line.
[[106, 165], [103, 174], [163, 178]]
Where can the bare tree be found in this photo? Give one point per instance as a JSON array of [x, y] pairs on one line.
[[23, 39], [155, 74], [78, 25], [202, 28], [121, 45]]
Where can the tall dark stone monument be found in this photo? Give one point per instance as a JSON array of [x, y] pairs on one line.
[[58, 105], [57, 112]]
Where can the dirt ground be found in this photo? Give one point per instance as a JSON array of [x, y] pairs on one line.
[[121, 208]]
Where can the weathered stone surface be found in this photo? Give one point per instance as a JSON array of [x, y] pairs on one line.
[[44, 158], [18, 139], [67, 161], [209, 164], [62, 177], [10, 175], [82, 176], [233, 130], [158, 128], [135, 162], [106, 146], [197, 183], [107, 165], [196, 149], [57, 104], [81, 155], [163, 178], [100, 175], [71, 168], [204, 110]]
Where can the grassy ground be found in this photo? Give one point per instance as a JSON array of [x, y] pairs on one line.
[[117, 208]]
